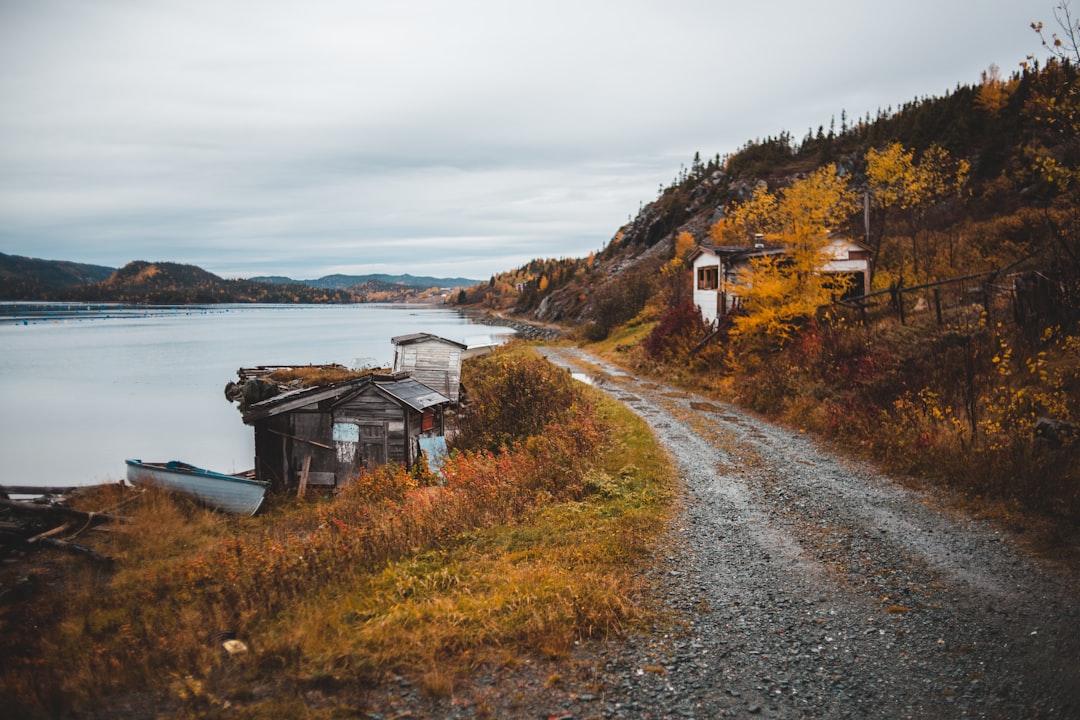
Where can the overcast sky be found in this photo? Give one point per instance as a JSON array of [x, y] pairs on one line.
[[454, 138]]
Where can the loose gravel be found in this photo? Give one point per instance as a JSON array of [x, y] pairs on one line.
[[807, 586], [799, 585]]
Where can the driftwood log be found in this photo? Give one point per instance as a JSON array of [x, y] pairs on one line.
[[39, 489], [68, 518], [59, 510], [74, 548]]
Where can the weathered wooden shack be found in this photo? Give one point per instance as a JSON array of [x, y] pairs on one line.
[[325, 435], [432, 360]]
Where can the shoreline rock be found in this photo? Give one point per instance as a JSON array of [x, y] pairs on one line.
[[525, 330]]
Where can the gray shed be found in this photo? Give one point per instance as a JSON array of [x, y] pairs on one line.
[[334, 431], [432, 360]]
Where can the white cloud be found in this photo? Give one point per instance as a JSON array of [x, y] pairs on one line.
[[299, 138]]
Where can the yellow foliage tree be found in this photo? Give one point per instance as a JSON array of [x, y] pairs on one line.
[[781, 290], [757, 216], [899, 183], [672, 270], [684, 245], [994, 92]]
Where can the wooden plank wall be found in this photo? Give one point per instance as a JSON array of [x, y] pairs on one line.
[[436, 364], [371, 406]]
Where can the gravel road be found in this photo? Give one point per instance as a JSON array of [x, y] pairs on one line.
[[807, 586]]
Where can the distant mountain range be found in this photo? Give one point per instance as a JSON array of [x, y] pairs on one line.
[[345, 282], [23, 278]]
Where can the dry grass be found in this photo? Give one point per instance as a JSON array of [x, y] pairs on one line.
[[317, 375], [520, 554]]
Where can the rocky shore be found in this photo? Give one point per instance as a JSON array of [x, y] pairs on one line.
[[525, 330]]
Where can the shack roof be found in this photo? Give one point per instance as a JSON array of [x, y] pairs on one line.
[[413, 393], [424, 337], [401, 388]]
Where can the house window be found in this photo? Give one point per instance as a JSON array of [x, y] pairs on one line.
[[707, 278]]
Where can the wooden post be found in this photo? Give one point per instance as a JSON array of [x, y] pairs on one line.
[[897, 292], [303, 477], [937, 304]]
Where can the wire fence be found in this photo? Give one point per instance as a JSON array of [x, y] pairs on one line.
[[1031, 299]]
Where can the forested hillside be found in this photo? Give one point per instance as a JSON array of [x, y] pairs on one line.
[[23, 278], [963, 363], [1015, 135], [175, 283]]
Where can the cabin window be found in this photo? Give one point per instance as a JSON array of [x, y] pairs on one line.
[[707, 278]]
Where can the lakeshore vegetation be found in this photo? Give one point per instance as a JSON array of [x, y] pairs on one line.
[[530, 540], [960, 371]]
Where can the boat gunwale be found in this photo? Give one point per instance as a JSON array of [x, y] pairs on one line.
[[191, 470]]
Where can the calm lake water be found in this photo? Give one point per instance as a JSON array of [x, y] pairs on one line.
[[84, 388]]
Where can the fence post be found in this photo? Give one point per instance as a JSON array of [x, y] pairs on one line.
[[937, 304], [986, 295], [897, 291]]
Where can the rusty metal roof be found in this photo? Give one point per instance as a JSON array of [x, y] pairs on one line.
[[401, 388], [413, 393]]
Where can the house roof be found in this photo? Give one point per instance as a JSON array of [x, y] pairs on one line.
[[401, 388], [424, 337], [412, 392], [737, 253]]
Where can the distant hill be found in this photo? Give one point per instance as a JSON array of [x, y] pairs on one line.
[[382, 281], [23, 278], [174, 283]]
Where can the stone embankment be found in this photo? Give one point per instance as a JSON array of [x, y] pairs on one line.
[[524, 330]]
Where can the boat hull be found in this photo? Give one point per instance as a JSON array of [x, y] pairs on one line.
[[227, 493]]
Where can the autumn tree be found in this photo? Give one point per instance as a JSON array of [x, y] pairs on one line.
[[757, 216], [908, 189], [781, 290], [1065, 47], [993, 92], [1052, 153]]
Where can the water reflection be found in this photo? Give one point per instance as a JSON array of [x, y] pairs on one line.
[[83, 391]]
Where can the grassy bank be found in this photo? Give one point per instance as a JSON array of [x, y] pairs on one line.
[[520, 551]]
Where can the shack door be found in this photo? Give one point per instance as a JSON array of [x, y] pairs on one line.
[[373, 444]]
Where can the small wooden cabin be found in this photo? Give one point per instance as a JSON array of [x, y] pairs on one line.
[[718, 282], [432, 360], [335, 430]]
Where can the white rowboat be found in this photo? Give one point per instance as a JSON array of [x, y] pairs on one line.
[[230, 493]]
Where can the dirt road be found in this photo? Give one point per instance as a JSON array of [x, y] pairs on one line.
[[807, 586]]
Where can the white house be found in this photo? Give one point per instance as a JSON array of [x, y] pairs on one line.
[[718, 286], [434, 361]]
